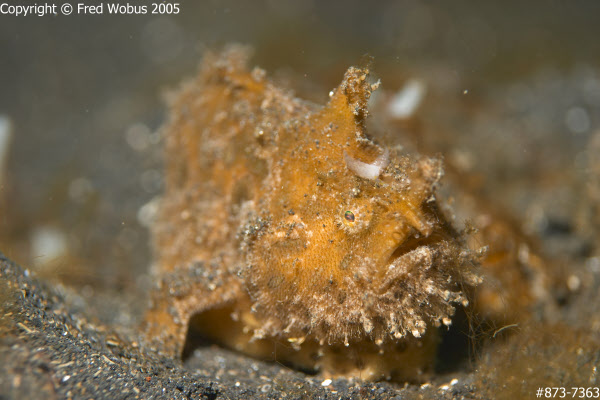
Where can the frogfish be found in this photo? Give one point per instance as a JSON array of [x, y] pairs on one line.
[[286, 232]]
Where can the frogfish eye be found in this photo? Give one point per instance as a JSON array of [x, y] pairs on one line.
[[349, 217]]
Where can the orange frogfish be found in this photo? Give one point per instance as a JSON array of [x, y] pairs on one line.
[[286, 233]]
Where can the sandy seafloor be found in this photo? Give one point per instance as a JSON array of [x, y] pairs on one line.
[[512, 97]]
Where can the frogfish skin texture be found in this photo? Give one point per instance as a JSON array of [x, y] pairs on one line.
[[285, 232]]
